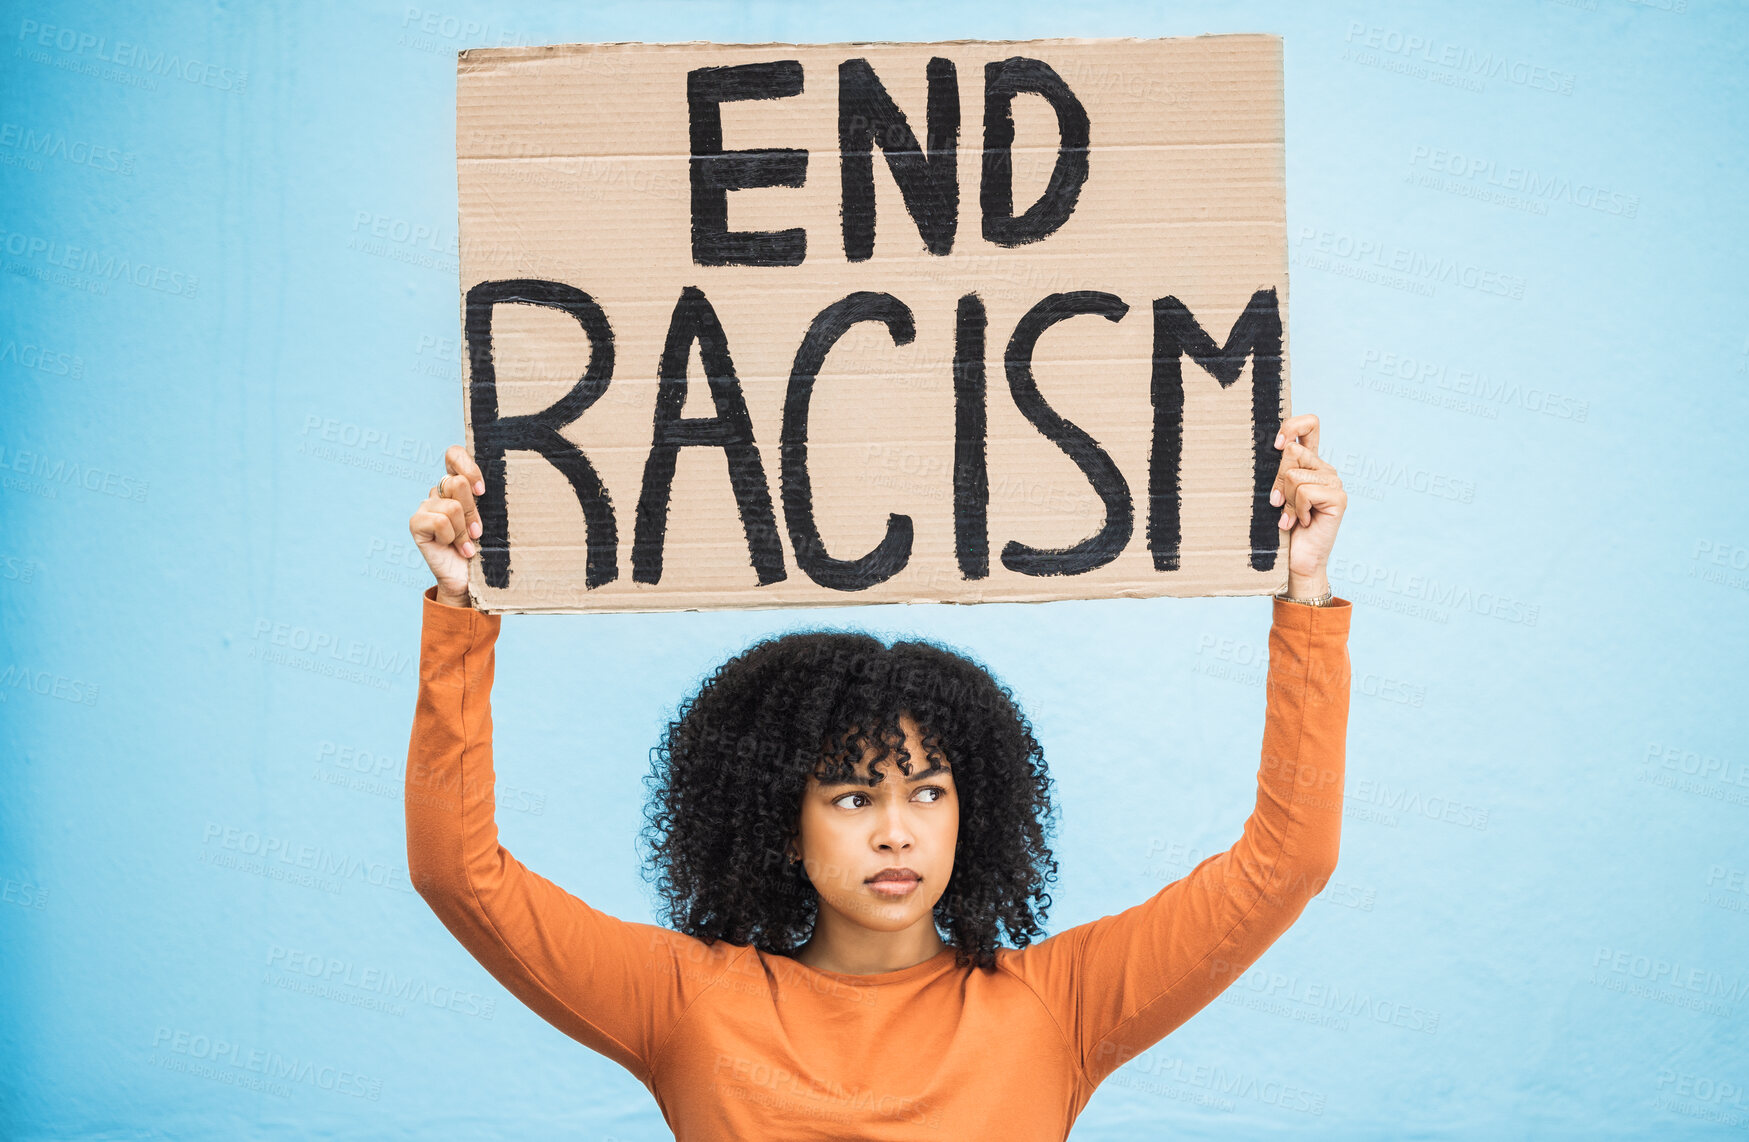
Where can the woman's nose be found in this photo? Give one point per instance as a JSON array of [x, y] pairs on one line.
[[893, 830]]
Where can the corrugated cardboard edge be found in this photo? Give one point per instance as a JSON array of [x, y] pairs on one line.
[[847, 604], [532, 51]]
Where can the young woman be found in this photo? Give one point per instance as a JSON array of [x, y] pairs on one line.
[[845, 833]]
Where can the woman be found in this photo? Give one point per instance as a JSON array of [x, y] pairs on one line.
[[825, 808]]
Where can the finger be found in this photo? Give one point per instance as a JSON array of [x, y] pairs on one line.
[[1295, 507], [456, 488], [452, 511], [1295, 456], [432, 526], [1304, 427], [1316, 492], [1283, 497], [458, 463], [1323, 500]]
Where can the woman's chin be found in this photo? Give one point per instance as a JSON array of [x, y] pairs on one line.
[[882, 912]]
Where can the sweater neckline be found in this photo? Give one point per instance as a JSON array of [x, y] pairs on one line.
[[898, 975]]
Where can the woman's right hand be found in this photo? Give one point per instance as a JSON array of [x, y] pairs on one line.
[[447, 523]]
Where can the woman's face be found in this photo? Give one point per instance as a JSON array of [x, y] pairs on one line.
[[851, 832]]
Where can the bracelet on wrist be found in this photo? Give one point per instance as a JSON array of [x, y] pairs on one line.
[[1322, 600]]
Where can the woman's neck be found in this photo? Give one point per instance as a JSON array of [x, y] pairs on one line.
[[842, 945]]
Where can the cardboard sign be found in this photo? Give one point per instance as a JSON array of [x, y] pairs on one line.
[[776, 324]]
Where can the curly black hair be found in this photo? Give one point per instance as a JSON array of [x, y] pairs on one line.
[[728, 779]]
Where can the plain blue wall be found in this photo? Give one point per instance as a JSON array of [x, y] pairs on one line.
[[1540, 924]]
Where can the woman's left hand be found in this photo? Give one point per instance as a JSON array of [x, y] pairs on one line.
[[1311, 497]]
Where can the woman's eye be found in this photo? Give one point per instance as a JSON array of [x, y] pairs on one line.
[[939, 792]]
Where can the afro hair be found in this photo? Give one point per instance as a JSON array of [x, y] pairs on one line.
[[727, 782]]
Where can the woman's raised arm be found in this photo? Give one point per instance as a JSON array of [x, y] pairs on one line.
[[1121, 983], [616, 986]]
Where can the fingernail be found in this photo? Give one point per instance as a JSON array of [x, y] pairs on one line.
[[467, 549], [479, 487], [474, 529], [1275, 496], [1278, 440], [1286, 520]]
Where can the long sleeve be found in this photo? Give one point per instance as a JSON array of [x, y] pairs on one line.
[[1119, 984], [617, 987]]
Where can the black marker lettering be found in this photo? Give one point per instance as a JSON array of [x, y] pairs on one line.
[[894, 550], [1108, 542], [715, 172], [538, 432], [731, 429], [928, 177], [971, 471], [1257, 334], [1002, 82]]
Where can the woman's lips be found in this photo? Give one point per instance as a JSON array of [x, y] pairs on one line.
[[895, 887]]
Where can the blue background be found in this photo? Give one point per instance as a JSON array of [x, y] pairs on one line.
[[1540, 923]]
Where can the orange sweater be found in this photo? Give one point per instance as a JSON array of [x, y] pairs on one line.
[[736, 1044]]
